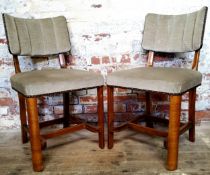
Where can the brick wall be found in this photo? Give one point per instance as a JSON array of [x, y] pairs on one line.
[[105, 37]]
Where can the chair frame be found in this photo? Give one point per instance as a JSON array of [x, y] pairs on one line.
[[175, 128], [30, 120]]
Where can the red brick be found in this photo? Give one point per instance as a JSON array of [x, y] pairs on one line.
[[141, 97], [163, 57], [105, 60], [202, 115], [3, 41], [125, 58], [90, 108], [6, 101], [119, 107], [71, 60], [95, 60], [159, 97], [87, 99], [125, 98]]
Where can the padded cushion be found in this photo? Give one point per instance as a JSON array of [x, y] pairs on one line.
[[37, 37], [174, 33], [167, 80], [48, 81]]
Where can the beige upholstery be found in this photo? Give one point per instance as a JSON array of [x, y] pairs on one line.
[[174, 33], [166, 33], [36, 37], [167, 80], [43, 37], [48, 81]]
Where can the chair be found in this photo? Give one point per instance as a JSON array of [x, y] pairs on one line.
[[169, 34], [41, 38]]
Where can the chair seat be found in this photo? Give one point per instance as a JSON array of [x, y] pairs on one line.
[[49, 81], [166, 80]]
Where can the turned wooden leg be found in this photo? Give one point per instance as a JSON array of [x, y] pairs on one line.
[[23, 119], [101, 116], [110, 113], [148, 109], [66, 109], [34, 134], [173, 132], [191, 118]]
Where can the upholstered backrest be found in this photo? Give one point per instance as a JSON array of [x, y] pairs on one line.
[[36, 37], [174, 33]]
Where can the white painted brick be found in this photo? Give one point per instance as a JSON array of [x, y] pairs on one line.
[[122, 20], [4, 110]]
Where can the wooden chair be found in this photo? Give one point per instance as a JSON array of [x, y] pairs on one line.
[[42, 38], [170, 34]]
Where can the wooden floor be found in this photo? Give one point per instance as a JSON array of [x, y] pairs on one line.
[[133, 153]]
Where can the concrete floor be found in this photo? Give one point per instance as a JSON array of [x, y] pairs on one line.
[[133, 153]]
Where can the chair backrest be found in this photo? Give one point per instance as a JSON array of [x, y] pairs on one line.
[[174, 33], [36, 37]]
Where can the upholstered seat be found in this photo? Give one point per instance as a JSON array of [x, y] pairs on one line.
[[167, 80], [42, 38], [49, 81], [168, 34]]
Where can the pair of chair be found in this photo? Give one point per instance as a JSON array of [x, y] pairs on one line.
[[162, 33]]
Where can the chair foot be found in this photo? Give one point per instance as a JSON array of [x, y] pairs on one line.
[[110, 116], [34, 131], [173, 132], [23, 119], [43, 144], [192, 98], [165, 144], [101, 140], [110, 140], [66, 109], [101, 117]]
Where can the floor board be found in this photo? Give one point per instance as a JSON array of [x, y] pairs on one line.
[[133, 154]]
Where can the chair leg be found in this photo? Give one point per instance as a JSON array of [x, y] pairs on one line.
[[110, 113], [191, 118], [148, 109], [34, 134], [101, 116], [173, 132], [66, 109], [23, 120]]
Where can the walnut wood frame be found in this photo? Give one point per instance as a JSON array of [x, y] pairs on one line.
[[30, 120], [175, 128]]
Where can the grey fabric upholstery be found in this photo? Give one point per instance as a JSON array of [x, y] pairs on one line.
[[37, 37], [48, 81], [174, 33], [167, 80]]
